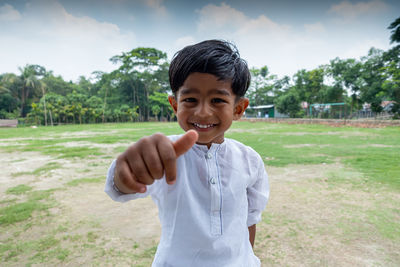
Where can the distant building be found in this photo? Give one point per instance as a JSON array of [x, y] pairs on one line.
[[304, 105], [387, 105], [264, 111]]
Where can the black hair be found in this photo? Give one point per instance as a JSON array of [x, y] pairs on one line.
[[216, 57]]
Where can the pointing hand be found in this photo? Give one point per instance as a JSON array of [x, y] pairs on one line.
[[148, 160]]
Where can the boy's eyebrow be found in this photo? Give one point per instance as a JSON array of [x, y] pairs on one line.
[[220, 92], [186, 91]]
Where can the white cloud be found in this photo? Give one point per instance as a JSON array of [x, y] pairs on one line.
[[264, 26], [8, 13], [184, 41], [219, 17], [260, 40], [349, 10], [158, 6], [285, 49], [361, 48], [314, 28], [69, 45]]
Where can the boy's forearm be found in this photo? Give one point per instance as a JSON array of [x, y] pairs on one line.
[[252, 234]]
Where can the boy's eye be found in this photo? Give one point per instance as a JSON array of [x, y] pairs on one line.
[[189, 99], [218, 100]]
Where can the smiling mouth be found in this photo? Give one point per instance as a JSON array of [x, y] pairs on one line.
[[203, 126]]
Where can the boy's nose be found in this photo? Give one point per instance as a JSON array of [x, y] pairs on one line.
[[203, 110]]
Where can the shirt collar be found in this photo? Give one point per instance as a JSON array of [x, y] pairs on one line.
[[213, 148]]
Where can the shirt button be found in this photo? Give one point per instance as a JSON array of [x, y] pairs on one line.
[[208, 156], [212, 181]]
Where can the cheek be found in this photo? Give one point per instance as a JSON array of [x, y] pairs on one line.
[[182, 116], [180, 113]]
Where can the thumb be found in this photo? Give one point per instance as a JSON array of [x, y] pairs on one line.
[[184, 143]]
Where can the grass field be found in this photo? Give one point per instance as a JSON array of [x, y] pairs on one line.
[[335, 196]]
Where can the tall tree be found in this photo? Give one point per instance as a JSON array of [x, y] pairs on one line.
[[309, 85], [395, 30], [373, 78], [141, 64], [289, 103], [281, 86], [26, 84], [56, 84], [391, 57], [160, 105], [261, 87], [346, 75]]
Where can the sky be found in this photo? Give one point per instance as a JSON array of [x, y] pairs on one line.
[[74, 38]]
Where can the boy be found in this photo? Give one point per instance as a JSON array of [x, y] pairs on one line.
[[209, 190]]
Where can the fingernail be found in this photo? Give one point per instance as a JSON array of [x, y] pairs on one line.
[[142, 190]]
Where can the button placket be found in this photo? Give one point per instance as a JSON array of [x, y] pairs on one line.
[[215, 192]]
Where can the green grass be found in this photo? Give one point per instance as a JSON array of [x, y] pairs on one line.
[[21, 211], [385, 221], [91, 237], [46, 168], [148, 253], [40, 171], [43, 249], [374, 152], [19, 189], [80, 181]]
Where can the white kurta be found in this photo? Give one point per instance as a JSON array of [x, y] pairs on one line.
[[205, 215]]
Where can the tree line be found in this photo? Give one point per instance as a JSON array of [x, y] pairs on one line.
[[371, 80], [137, 89]]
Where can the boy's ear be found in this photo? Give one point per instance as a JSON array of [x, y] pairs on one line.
[[240, 108], [173, 103]]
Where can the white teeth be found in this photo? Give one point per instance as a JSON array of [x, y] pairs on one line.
[[202, 125]]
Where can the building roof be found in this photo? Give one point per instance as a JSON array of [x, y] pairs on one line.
[[261, 107]]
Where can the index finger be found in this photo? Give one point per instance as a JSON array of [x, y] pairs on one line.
[[184, 143]]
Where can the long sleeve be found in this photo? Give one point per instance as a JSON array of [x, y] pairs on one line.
[[121, 197], [257, 195]]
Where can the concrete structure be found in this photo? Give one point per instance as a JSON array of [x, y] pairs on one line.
[[8, 123], [264, 111]]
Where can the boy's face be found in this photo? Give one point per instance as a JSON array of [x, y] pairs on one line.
[[207, 105]]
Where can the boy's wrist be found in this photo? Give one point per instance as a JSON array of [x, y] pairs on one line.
[[119, 187], [115, 187]]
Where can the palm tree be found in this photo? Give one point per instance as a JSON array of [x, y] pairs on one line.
[[43, 88], [4, 89], [395, 30], [26, 84]]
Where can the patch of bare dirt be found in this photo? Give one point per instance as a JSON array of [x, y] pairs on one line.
[[92, 145], [84, 133], [17, 162], [381, 145], [294, 173], [312, 220], [136, 220], [306, 145], [18, 168]]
